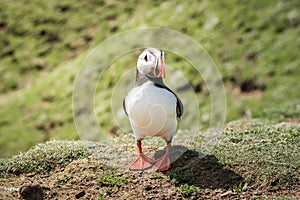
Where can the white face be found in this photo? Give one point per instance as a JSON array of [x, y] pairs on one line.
[[146, 63]]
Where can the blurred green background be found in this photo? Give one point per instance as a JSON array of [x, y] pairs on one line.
[[255, 45]]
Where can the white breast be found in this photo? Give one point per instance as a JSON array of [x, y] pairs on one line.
[[152, 111]]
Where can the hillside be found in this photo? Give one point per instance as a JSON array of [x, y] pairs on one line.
[[255, 46]]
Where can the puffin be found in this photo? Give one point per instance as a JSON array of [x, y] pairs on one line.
[[153, 109]]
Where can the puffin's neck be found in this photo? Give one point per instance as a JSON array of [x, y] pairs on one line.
[[141, 79]]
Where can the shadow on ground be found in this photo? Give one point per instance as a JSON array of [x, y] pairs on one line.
[[206, 169]]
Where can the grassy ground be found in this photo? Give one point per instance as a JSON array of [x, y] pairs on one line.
[[253, 160], [254, 44]]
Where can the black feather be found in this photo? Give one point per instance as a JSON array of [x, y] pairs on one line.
[[179, 105]]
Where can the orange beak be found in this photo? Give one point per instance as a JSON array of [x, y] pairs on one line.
[[162, 72]]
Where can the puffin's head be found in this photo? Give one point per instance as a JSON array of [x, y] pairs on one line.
[[151, 63]]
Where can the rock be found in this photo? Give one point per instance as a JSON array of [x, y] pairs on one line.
[[80, 194], [148, 187], [31, 192]]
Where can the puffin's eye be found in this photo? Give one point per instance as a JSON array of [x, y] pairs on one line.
[[146, 58]]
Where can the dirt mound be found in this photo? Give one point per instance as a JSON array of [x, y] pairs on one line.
[[192, 176]]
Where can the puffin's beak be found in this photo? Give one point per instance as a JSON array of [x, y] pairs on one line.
[[162, 72]]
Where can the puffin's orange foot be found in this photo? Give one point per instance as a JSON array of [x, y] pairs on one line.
[[142, 162], [162, 164]]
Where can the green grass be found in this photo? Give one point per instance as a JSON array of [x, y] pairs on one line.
[[181, 177], [109, 179], [267, 152], [188, 190], [156, 176], [253, 43], [240, 188], [44, 157], [39, 113], [183, 181], [280, 112]]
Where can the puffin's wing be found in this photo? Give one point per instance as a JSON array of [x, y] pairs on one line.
[[179, 105], [124, 105]]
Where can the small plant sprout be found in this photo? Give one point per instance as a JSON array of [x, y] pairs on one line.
[[188, 190], [240, 187]]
